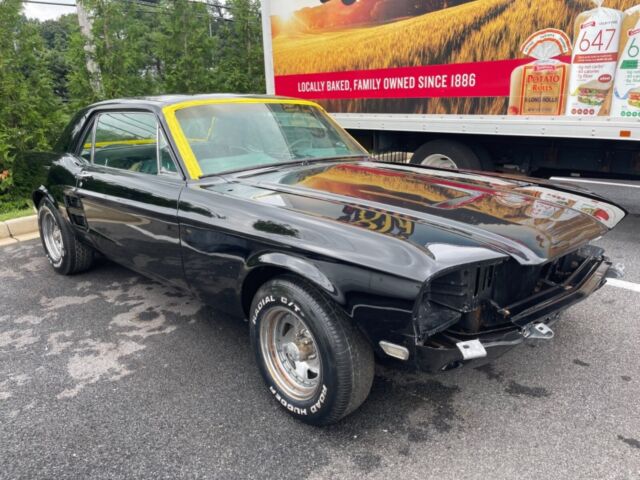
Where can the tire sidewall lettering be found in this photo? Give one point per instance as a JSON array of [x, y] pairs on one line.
[[313, 409], [316, 405], [269, 299]]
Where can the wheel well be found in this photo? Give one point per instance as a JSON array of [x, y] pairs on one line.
[[255, 279], [37, 197]]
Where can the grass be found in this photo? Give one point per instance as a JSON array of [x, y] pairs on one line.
[[17, 213]]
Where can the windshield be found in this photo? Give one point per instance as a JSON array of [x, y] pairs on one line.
[[236, 136]]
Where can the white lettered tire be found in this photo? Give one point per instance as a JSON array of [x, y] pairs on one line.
[[315, 363]]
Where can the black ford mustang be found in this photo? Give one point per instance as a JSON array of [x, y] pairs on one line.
[[265, 208]]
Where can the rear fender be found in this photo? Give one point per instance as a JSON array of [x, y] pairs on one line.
[[40, 193]]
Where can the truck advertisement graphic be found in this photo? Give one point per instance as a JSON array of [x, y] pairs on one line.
[[481, 57]]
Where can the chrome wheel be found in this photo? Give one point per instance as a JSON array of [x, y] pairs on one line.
[[439, 160], [290, 353], [52, 236]]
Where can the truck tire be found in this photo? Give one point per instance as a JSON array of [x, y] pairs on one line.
[[447, 154], [66, 254], [315, 363]]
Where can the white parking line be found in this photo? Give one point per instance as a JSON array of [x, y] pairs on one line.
[[616, 282], [598, 182]]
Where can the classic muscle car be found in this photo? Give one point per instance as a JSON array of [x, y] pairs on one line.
[[265, 208]]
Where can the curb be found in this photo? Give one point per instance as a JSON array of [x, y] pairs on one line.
[[18, 230]]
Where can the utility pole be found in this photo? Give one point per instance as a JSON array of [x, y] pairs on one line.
[[95, 76]]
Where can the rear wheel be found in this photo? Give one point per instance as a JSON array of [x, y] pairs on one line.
[[313, 360], [447, 154], [65, 253]]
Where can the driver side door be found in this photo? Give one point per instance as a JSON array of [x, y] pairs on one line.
[[129, 193]]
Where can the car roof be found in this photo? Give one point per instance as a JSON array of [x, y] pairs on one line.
[[166, 100]]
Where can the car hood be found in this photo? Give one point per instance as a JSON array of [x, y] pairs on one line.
[[528, 220]]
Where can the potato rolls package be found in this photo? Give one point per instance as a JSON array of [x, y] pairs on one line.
[[626, 92], [539, 87], [593, 66]]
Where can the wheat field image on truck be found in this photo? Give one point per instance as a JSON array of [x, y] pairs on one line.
[[377, 34]]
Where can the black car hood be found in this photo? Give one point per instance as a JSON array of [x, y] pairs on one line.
[[527, 220]]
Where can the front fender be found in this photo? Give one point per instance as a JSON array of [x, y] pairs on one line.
[[379, 304], [300, 266]]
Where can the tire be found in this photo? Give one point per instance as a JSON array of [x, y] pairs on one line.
[[67, 255], [459, 155], [343, 357]]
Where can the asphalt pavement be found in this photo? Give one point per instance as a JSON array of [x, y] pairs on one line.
[[110, 375]]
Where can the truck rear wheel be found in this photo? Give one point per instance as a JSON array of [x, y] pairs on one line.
[[447, 154], [315, 363]]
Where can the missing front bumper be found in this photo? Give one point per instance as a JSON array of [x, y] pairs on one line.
[[530, 321], [446, 351], [586, 279]]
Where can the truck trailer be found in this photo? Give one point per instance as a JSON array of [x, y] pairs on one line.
[[545, 87]]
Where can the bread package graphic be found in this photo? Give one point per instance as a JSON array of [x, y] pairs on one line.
[[626, 92], [595, 54], [539, 87]]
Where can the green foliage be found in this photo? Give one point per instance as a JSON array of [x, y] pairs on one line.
[[186, 49], [241, 60], [166, 46], [30, 111]]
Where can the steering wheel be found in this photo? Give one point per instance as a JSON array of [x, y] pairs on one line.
[[238, 149], [294, 145]]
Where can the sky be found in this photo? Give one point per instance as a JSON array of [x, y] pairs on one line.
[[47, 12]]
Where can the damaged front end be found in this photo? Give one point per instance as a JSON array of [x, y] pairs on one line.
[[479, 311]]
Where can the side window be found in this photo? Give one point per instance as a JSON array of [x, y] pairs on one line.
[[85, 145], [166, 162], [127, 140]]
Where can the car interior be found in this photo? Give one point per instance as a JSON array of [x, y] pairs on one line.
[[127, 141]]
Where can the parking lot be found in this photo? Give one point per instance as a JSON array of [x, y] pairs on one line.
[[110, 375]]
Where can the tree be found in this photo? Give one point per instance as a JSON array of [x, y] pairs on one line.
[[186, 48], [121, 31], [30, 113], [241, 61], [141, 48], [56, 37]]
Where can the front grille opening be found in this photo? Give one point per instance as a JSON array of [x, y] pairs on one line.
[[463, 289], [491, 296], [484, 280]]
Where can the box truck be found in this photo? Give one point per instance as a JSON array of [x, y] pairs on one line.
[[544, 87]]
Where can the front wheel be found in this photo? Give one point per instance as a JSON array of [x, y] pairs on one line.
[[313, 360]]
